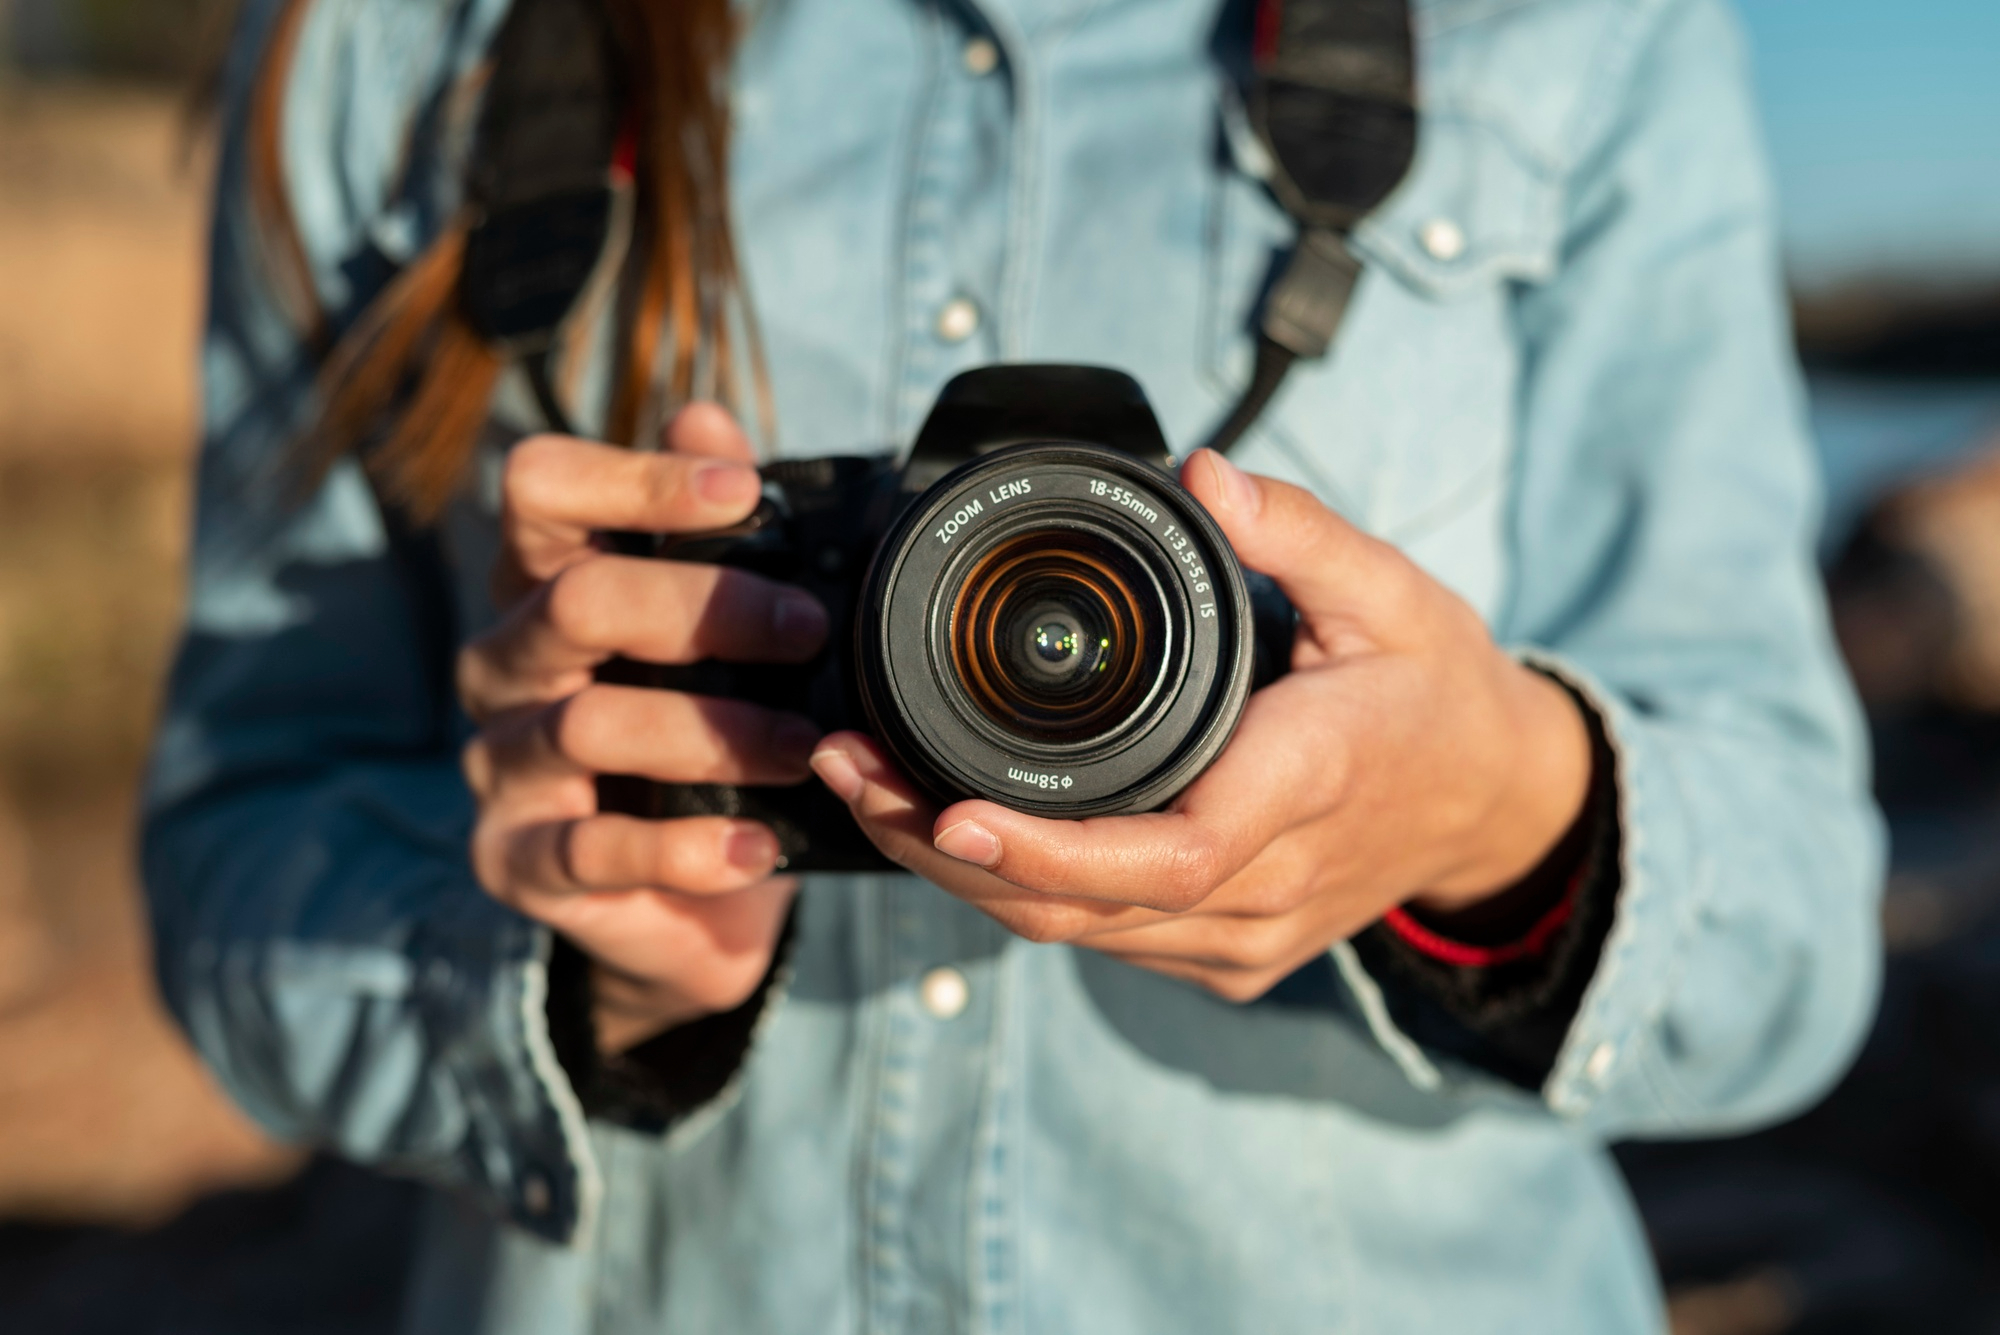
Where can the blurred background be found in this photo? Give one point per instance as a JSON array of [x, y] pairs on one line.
[[134, 1200]]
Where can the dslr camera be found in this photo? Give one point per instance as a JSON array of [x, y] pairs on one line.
[[1028, 609]]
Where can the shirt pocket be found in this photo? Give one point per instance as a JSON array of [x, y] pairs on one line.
[[1410, 421]]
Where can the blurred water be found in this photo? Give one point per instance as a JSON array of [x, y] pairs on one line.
[[1876, 434]]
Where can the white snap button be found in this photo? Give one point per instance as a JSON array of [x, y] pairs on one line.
[[958, 320], [1599, 1063], [535, 1194], [1442, 239], [981, 57], [945, 993]]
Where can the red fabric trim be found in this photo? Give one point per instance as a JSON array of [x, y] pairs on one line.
[[1264, 42], [1442, 948]]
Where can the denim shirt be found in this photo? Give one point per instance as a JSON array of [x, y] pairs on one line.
[[1563, 387]]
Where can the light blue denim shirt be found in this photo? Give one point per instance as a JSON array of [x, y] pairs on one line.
[[1564, 388]]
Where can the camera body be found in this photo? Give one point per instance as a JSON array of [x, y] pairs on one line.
[[1028, 608]]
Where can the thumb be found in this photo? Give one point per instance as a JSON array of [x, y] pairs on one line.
[[1325, 565]]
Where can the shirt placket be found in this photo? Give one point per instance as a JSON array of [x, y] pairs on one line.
[[961, 217]]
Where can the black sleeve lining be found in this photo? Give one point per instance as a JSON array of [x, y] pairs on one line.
[[653, 1085], [1512, 1018]]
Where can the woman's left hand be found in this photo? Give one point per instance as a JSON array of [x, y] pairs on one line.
[[1405, 758]]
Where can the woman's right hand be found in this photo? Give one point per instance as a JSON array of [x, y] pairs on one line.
[[680, 916]]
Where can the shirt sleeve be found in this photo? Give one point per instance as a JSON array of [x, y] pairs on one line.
[[1663, 517], [1499, 984], [318, 929]]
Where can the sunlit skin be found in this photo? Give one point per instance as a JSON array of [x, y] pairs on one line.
[[1405, 759]]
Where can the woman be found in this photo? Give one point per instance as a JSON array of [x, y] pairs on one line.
[[1334, 1043]]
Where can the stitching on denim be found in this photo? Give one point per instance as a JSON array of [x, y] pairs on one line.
[[900, 329], [574, 1126], [1409, 1058]]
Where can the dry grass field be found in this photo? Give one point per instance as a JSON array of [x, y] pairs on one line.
[[104, 1113]]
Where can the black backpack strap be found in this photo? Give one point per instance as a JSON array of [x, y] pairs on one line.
[[1333, 102]]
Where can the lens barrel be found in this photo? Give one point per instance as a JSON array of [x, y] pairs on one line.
[[1058, 627]]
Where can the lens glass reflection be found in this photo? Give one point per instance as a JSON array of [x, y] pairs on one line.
[[1058, 635]]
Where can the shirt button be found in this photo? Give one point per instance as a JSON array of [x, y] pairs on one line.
[[535, 1194], [1598, 1064], [981, 57], [945, 993], [1442, 239], [958, 320]]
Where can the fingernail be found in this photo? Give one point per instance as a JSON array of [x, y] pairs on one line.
[[794, 739], [798, 619], [838, 773], [751, 848], [727, 484], [1238, 492], [970, 842]]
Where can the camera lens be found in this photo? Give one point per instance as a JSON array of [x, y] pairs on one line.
[[1057, 626], [1057, 636]]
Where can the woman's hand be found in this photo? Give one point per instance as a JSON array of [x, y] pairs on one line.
[[1405, 758], [680, 916]]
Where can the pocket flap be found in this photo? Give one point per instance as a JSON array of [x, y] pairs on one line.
[[1475, 210]]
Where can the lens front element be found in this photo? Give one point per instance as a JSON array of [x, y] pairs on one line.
[[1057, 626], [1058, 635]]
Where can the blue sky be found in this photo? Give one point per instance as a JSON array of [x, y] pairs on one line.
[[1884, 124]]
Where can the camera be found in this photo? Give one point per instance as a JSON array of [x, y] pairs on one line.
[[1028, 609]]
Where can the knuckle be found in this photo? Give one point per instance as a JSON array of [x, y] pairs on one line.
[[1191, 875], [530, 467], [583, 859], [489, 862], [473, 675], [1044, 927], [1239, 988], [578, 726], [663, 484], [1272, 896], [476, 763], [1250, 947], [574, 599]]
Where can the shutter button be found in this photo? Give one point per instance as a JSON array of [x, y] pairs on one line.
[[945, 993], [1442, 239], [981, 57], [958, 320]]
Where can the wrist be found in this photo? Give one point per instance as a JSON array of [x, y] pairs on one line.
[[627, 1011], [1544, 770]]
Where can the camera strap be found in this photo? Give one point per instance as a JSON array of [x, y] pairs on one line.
[[1331, 100], [539, 185], [1333, 103]]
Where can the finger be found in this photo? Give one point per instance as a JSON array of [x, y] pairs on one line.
[[655, 611], [1207, 940], [710, 431], [707, 952], [559, 491], [1326, 566], [1237, 986], [1280, 769], [608, 853], [677, 738], [899, 820]]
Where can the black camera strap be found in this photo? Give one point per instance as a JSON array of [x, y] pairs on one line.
[[539, 184], [1333, 103]]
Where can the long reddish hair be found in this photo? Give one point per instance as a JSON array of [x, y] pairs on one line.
[[409, 382]]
